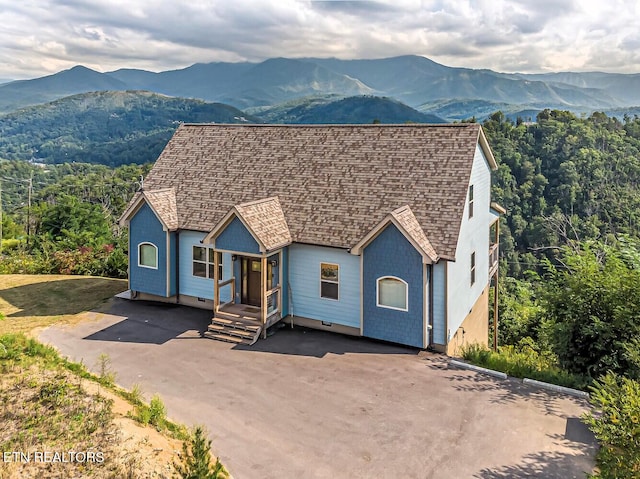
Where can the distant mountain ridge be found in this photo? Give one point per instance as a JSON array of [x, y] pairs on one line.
[[115, 128], [414, 80], [110, 128]]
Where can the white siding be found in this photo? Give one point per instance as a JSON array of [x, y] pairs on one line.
[[474, 236], [196, 286], [304, 281]]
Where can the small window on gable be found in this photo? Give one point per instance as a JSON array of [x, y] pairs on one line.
[[329, 281], [473, 268], [393, 293], [470, 201], [148, 255]]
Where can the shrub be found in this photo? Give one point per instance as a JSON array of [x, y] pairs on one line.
[[593, 311], [523, 361], [196, 459], [157, 411], [616, 424]]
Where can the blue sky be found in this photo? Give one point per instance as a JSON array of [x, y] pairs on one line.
[[40, 37]]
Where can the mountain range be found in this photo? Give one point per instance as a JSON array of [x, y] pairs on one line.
[[118, 127], [430, 87]]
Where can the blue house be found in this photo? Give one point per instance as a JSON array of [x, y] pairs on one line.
[[382, 231]]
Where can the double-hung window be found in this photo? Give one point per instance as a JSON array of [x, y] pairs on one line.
[[203, 262], [329, 280]]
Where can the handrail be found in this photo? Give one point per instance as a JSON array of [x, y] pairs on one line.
[[221, 284], [493, 257]]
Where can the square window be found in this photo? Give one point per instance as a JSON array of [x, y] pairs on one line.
[[199, 253], [200, 269]]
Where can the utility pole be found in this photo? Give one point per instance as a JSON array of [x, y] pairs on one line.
[[0, 218], [29, 208]]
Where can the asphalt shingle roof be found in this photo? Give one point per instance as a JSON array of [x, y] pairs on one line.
[[163, 202], [405, 217], [266, 221], [334, 182]]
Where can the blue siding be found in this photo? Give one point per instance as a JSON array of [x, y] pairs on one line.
[[390, 254], [439, 301], [196, 286], [304, 277], [235, 237], [145, 227]]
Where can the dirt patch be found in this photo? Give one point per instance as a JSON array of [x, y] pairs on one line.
[[56, 425]]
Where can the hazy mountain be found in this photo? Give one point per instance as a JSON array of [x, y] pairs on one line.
[[626, 88], [78, 79], [413, 80], [336, 110], [111, 128]]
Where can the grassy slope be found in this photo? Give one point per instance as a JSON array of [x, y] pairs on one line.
[[49, 404], [28, 302]]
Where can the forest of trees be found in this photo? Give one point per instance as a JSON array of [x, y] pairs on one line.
[[570, 251]]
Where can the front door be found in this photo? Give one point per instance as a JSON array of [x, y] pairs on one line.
[[251, 276], [253, 282]]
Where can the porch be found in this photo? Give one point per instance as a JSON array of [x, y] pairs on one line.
[[252, 308]]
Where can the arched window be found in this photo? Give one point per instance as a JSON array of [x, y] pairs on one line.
[[393, 293], [148, 255]]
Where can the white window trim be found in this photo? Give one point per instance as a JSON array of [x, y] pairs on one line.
[[139, 255], [206, 262], [329, 281], [471, 194], [406, 293]]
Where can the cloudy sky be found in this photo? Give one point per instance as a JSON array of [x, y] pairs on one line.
[[39, 37]]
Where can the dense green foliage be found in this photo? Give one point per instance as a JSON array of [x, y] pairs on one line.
[[351, 110], [564, 179], [72, 220], [108, 128], [616, 424], [592, 308]]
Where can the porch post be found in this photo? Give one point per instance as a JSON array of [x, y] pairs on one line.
[[495, 290], [216, 282], [263, 295], [280, 282]]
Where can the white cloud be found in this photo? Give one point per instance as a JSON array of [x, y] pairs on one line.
[[40, 37]]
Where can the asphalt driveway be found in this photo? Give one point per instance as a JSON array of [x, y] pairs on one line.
[[310, 404]]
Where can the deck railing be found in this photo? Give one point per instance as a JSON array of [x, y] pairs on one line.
[[274, 296], [493, 258], [221, 284]]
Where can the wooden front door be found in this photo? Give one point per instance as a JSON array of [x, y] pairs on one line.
[[251, 278], [251, 272]]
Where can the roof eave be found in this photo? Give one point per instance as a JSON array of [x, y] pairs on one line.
[[486, 149]]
